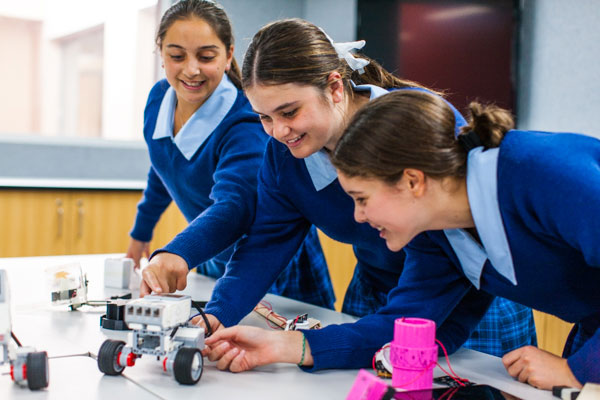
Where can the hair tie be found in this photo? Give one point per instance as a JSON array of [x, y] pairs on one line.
[[470, 140], [343, 51]]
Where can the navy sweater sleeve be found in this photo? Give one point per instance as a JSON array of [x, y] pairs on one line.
[[573, 216], [430, 287], [154, 202], [233, 195], [274, 237]]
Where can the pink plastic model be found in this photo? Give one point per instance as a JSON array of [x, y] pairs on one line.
[[367, 387], [413, 353]]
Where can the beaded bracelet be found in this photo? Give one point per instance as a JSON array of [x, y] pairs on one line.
[[303, 350]]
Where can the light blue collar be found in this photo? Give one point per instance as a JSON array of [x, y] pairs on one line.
[[201, 124], [482, 189], [319, 167]]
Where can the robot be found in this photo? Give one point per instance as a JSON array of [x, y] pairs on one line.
[[160, 328], [27, 367], [68, 285]]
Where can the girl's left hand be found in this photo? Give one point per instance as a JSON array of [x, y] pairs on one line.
[[539, 368]]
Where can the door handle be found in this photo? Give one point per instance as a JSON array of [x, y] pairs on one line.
[[80, 216], [60, 217]]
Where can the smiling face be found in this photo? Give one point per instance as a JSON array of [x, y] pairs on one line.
[[396, 211], [304, 118], [194, 59]]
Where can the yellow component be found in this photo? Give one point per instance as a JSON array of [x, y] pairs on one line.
[[61, 275]]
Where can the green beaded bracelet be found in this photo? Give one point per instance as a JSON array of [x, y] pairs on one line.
[[303, 350]]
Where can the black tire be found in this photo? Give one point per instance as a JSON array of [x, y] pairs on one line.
[[188, 366], [107, 357], [37, 370]]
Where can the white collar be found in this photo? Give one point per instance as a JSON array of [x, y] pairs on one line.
[[482, 190], [201, 124], [321, 170]]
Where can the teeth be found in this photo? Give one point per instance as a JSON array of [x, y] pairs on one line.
[[193, 84], [295, 139]]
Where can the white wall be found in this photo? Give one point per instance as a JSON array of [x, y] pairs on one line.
[[559, 69], [336, 17]]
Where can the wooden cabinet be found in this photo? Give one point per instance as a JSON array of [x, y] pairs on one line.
[[40, 222]]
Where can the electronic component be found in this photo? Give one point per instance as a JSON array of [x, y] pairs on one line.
[[28, 367], [565, 392], [67, 284], [118, 272], [276, 321], [160, 328]]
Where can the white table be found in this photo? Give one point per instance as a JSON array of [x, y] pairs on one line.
[[62, 332]]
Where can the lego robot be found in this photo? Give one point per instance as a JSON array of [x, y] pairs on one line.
[[27, 367], [160, 328], [68, 285]]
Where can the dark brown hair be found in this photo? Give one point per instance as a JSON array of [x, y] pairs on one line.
[[413, 129], [296, 51], [210, 12]]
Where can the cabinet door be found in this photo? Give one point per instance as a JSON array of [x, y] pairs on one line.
[[33, 222], [101, 220], [170, 224]]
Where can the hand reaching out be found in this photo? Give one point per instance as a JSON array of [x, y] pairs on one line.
[[137, 250], [242, 348], [165, 273], [539, 368]]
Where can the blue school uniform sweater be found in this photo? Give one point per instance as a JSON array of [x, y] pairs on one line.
[[288, 205], [215, 189], [218, 183], [549, 201]]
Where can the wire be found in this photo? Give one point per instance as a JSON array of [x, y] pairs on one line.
[[453, 375], [461, 381], [15, 339], [263, 304], [198, 306]]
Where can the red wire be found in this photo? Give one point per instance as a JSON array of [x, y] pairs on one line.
[[453, 375], [269, 307], [461, 381]]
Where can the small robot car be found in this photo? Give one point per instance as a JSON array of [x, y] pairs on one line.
[[160, 328], [27, 367]]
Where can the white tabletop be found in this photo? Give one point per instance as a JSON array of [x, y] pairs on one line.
[[61, 332]]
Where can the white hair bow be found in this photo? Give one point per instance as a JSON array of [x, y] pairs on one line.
[[343, 50]]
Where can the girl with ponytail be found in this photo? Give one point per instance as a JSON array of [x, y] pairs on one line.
[[495, 212]]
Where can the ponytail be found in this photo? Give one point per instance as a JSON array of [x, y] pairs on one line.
[[490, 124], [414, 129]]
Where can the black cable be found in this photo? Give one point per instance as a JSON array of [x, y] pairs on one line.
[[15, 339], [198, 306], [174, 332]]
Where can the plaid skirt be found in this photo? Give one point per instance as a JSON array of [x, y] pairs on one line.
[[306, 278], [505, 327]]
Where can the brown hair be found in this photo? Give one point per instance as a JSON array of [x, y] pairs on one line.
[[413, 129], [210, 12], [296, 51]]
